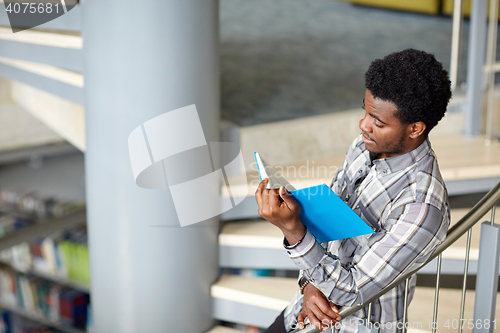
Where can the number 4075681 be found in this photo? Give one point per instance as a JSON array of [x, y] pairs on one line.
[[470, 323], [31, 8]]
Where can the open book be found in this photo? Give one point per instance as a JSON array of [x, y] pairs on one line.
[[324, 214]]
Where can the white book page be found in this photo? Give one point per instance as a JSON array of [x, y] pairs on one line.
[[276, 180]]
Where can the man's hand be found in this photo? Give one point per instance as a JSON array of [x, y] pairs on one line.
[[285, 215], [321, 312]]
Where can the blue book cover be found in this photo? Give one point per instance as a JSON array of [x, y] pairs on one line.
[[324, 214]]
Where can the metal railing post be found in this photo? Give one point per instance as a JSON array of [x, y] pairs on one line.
[[464, 287], [490, 61], [436, 295], [475, 63], [367, 327], [487, 278], [456, 39]]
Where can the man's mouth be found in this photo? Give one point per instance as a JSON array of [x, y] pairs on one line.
[[367, 139]]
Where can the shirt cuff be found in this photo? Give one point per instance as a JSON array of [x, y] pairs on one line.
[[307, 253]]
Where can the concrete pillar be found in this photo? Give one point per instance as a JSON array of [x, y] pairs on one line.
[[142, 59]]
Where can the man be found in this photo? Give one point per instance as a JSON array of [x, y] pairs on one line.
[[391, 179]]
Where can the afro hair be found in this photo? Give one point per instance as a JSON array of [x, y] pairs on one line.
[[415, 82]]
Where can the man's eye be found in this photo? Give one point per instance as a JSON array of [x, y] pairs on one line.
[[379, 126]]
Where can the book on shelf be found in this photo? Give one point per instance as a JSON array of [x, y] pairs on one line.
[[73, 305], [43, 279], [10, 223], [324, 214], [43, 299], [64, 255], [14, 323], [35, 205]]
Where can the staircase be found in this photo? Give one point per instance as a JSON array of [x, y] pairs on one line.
[[44, 70]]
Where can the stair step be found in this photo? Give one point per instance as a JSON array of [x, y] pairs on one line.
[[53, 39], [257, 233], [269, 292], [223, 329], [252, 244], [251, 300], [259, 244], [62, 116]]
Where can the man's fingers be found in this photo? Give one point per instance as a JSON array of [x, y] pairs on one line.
[[258, 192], [318, 303], [288, 198], [326, 308], [274, 200], [263, 183], [265, 198], [300, 319], [315, 321], [334, 308]]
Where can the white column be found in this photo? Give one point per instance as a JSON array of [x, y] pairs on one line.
[[142, 59]]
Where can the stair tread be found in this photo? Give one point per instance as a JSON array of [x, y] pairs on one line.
[[256, 233], [53, 39], [55, 73], [223, 329], [268, 292]]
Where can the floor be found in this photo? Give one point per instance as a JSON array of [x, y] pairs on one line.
[[286, 59]]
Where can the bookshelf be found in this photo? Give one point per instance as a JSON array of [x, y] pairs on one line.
[[43, 229], [62, 281], [31, 234], [40, 319]]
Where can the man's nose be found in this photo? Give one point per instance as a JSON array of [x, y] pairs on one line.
[[363, 125]]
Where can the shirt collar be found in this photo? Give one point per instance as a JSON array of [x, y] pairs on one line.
[[400, 162]]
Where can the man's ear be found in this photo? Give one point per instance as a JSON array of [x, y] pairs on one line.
[[417, 129]]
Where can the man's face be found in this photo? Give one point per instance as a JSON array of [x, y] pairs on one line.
[[382, 131]]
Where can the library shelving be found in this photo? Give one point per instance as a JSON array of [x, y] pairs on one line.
[[25, 221]]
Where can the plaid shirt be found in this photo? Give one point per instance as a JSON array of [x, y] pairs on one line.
[[404, 200]]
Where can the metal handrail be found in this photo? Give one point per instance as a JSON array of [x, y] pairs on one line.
[[454, 233]]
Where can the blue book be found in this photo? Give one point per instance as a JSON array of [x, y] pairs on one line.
[[324, 214]]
